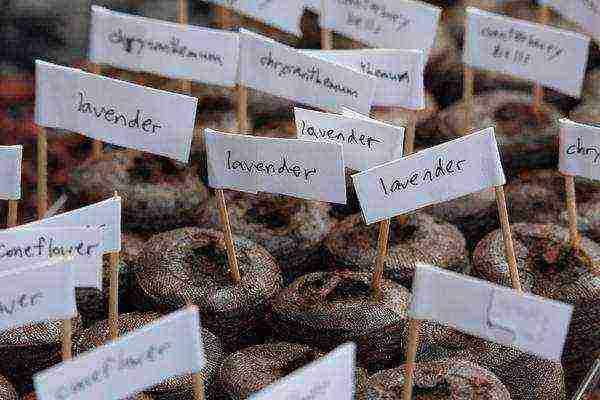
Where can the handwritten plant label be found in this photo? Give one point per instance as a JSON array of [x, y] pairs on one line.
[[552, 57], [440, 173], [579, 149], [10, 172], [284, 166], [37, 293], [283, 71], [22, 246], [584, 12], [284, 15], [330, 377], [530, 323], [393, 24], [399, 73], [168, 49], [114, 111], [366, 142], [105, 215], [169, 347]]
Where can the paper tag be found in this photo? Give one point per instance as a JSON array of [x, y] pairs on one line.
[[366, 142], [10, 172], [527, 50], [37, 293], [530, 323], [170, 347], [283, 71], [579, 149], [284, 15], [583, 12], [440, 173], [21, 247], [114, 111], [393, 24], [284, 166], [330, 377], [105, 215], [172, 50], [399, 73]]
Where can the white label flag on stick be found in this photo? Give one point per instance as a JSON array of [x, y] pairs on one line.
[[551, 57], [10, 172], [41, 292], [366, 142], [105, 215], [301, 168], [440, 173], [399, 73], [283, 71], [114, 111], [586, 13], [284, 15], [173, 50], [330, 377], [22, 246], [497, 313], [579, 149], [401, 24], [170, 347]]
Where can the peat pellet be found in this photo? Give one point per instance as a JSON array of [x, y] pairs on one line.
[[175, 388], [191, 265], [7, 391]]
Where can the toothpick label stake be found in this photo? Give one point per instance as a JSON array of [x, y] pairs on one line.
[[403, 24], [579, 149], [440, 173], [10, 172], [399, 73], [286, 72], [20, 247], [299, 168], [115, 111], [170, 347], [530, 323], [583, 12], [37, 293], [526, 50], [172, 50], [285, 16], [366, 142], [105, 215], [330, 377]]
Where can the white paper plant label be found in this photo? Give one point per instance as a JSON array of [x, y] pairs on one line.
[[331, 377], [284, 15], [366, 142], [579, 149], [399, 73], [37, 293], [283, 71], [10, 172], [169, 347], [586, 13], [173, 50], [114, 111], [552, 57], [392, 24], [300, 168], [105, 215], [440, 173], [497, 313]]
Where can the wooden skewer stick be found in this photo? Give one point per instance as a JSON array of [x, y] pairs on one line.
[[13, 206], [42, 167], [468, 87], [113, 295], [232, 258], [572, 210], [67, 339], [382, 246], [186, 85], [538, 90], [242, 109], [223, 17], [508, 242], [414, 327], [326, 34], [96, 144], [198, 386], [409, 133]]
